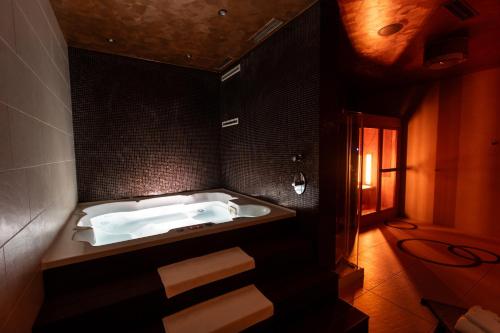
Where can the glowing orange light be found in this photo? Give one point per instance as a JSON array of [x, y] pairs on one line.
[[363, 19], [368, 169]]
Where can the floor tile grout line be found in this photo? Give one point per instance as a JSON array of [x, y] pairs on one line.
[[462, 298], [391, 301], [373, 290], [370, 247], [359, 295], [393, 275], [401, 307]]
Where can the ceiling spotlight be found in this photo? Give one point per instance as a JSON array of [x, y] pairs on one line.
[[390, 29], [189, 56], [446, 52], [111, 40], [222, 12]]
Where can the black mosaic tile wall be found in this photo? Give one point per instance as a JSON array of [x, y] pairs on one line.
[[276, 98], [142, 128]]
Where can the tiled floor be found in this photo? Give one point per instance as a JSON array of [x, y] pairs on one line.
[[395, 282]]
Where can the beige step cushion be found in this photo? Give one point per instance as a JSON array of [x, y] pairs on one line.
[[229, 313], [188, 274]]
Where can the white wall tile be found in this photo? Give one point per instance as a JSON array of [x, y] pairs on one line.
[[54, 24], [26, 139], [35, 119], [22, 259], [17, 86], [38, 186], [6, 23], [14, 203], [30, 48], [58, 145], [68, 148], [27, 44], [5, 145], [3, 286], [44, 31]]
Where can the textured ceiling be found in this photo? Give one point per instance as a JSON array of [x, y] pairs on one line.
[[363, 19], [399, 57], [168, 30]]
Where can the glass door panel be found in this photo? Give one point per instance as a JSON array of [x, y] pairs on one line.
[[378, 171], [388, 190], [388, 172], [389, 150], [369, 173]]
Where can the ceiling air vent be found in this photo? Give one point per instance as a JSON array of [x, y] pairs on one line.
[[230, 73], [226, 62], [271, 26], [461, 9]]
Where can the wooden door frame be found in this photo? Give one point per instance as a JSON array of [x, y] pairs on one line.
[[381, 123]]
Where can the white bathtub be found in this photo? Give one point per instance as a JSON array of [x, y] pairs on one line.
[[121, 221]]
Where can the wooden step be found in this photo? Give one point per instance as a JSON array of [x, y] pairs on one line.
[[122, 304], [228, 313], [145, 302], [122, 291], [113, 298], [195, 272], [288, 292]]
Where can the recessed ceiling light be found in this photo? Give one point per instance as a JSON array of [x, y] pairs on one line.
[[446, 52], [222, 12], [189, 56], [390, 29], [111, 40]]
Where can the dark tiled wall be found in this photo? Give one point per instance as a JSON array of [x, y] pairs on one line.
[[276, 97], [142, 128]]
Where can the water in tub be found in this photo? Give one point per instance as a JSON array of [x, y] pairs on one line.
[[121, 226]]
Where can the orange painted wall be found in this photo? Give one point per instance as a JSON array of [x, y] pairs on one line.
[[421, 158], [478, 183], [453, 158]]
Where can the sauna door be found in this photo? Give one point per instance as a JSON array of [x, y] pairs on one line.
[[379, 172]]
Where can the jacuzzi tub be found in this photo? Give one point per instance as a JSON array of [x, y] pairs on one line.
[[126, 220], [107, 228]]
